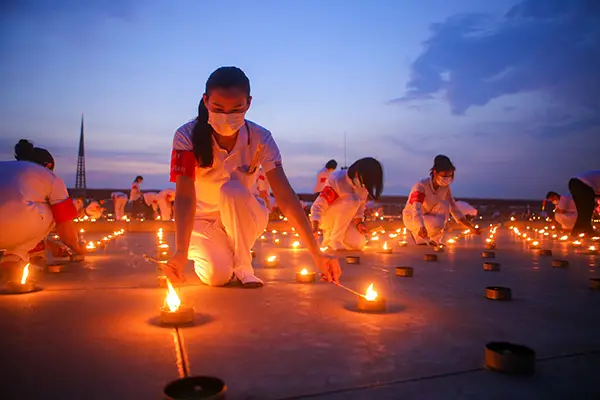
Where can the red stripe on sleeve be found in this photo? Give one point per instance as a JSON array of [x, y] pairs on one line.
[[416, 197], [64, 211], [323, 180], [329, 194], [183, 163]]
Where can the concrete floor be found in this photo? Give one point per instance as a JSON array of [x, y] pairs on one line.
[[93, 332]]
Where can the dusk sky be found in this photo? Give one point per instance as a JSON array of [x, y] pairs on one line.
[[509, 90]]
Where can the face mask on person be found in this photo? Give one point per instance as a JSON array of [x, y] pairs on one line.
[[226, 124], [444, 180]]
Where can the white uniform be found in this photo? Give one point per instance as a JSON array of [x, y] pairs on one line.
[[567, 218], [32, 200], [165, 199], [135, 192], [119, 201], [262, 187], [339, 203], [322, 177], [93, 210], [429, 208], [150, 200], [592, 179], [228, 218]]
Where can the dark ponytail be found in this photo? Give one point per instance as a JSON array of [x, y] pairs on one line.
[[25, 151], [222, 78], [370, 172]]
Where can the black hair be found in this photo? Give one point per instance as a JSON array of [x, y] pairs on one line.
[[550, 194], [25, 151], [370, 172], [138, 178], [222, 78], [441, 163], [331, 164]]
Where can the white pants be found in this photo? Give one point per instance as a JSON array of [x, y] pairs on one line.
[[119, 203], [435, 222], [221, 248], [23, 228], [566, 220], [339, 232], [165, 209]]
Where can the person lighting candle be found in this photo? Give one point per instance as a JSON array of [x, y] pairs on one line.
[[213, 164], [430, 202], [585, 189], [565, 211]]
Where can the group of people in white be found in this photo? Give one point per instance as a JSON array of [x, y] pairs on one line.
[[224, 168]]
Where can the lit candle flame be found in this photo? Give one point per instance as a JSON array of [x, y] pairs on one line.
[[375, 238], [271, 259], [371, 294], [385, 246], [296, 244], [91, 246], [565, 237], [324, 249], [81, 230], [163, 246], [536, 243], [451, 241], [172, 301], [592, 248], [25, 274], [488, 240], [304, 271]]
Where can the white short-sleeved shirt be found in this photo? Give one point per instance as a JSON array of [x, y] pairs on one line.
[[567, 204], [423, 198], [592, 179], [209, 180], [29, 192], [135, 193], [322, 177], [339, 186], [262, 184]]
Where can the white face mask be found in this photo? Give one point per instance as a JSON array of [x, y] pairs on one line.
[[226, 124], [444, 180]]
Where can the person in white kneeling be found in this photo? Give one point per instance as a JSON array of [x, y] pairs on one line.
[[565, 211], [119, 201], [165, 199], [430, 202], [214, 163], [339, 211]]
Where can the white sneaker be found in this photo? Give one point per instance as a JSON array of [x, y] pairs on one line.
[[249, 280]]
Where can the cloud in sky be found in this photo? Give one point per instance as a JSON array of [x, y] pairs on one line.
[[548, 46]]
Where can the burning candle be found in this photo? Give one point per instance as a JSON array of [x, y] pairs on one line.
[[295, 245], [371, 301], [272, 261], [263, 238], [277, 241], [451, 241], [592, 250], [163, 252], [305, 277], [23, 286], [576, 243], [90, 247], [403, 243], [172, 312], [386, 249], [534, 245]]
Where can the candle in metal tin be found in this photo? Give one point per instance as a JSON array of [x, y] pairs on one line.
[[385, 249], [305, 276], [295, 245], [592, 250], [498, 293], [438, 249], [490, 244], [488, 254], [595, 283], [371, 301], [403, 243], [545, 252], [277, 241], [272, 261], [22, 286], [430, 257], [404, 272], [560, 263], [55, 268], [353, 259], [491, 266], [90, 247], [510, 358], [196, 387], [163, 252], [535, 245], [172, 312], [451, 241]]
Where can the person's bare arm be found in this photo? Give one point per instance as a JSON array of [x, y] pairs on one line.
[[67, 232], [185, 211]]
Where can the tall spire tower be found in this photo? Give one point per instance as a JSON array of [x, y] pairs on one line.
[[80, 183]]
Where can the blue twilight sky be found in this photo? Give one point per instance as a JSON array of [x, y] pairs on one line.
[[509, 89]]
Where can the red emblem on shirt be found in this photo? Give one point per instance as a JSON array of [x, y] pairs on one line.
[[323, 180], [183, 163], [64, 211], [329, 194], [416, 197]]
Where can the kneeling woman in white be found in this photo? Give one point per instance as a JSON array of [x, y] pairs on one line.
[[339, 210], [214, 162], [119, 201], [33, 201], [430, 202]]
